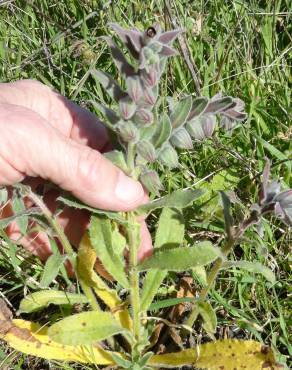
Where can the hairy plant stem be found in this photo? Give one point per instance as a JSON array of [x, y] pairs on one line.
[[230, 242], [133, 231], [131, 159], [56, 227]]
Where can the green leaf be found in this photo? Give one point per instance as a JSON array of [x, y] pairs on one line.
[[220, 104], [180, 112], [170, 232], [254, 267], [118, 159], [19, 210], [109, 84], [181, 259], [33, 211], [38, 300], [108, 113], [163, 131], [199, 105], [227, 213], [85, 328], [70, 201], [208, 315], [51, 269], [3, 195], [177, 199], [101, 238]]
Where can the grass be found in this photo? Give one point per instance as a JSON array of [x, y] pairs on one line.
[[242, 48]]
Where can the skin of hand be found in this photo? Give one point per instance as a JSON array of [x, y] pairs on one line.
[[45, 136]]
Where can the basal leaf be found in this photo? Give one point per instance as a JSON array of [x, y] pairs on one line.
[[170, 232], [38, 300], [84, 328], [163, 131], [51, 269], [70, 201], [100, 232], [228, 354], [255, 267], [32, 339], [209, 316], [178, 199], [180, 112], [181, 259]]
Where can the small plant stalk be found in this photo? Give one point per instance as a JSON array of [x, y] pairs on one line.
[[134, 241], [231, 241]]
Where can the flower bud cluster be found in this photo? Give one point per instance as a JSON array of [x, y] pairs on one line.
[[154, 134]]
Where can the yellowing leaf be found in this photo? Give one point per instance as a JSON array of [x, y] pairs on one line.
[[85, 267], [32, 339], [221, 355]]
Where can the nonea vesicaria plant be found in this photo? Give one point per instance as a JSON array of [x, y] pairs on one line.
[[113, 327]]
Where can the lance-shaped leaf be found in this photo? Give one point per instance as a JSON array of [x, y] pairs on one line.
[[181, 112], [178, 199], [121, 62], [3, 195], [19, 209], [234, 115], [109, 84], [86, 260], [70, 201], [117, 158], [163, 131], [85, 328], [198, 107], [169, 36], [168, 51], [38, 300], [32, 339], [170, 233], [181, 259], [227, 214], [208, 315], [132, 38], [254, 267], [100, 232], [108, 113], [219, 105], [51, 269], [33, 211], [227, 354]]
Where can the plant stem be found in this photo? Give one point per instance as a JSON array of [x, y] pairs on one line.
[[55, 225], [231, 241], [134, 241], [131, 158]]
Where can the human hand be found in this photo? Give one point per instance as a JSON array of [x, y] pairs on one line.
[[44, 135]]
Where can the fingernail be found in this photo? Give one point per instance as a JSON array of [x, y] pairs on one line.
[[128, 190]]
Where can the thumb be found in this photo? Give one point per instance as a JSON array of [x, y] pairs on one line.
[[29, 146]]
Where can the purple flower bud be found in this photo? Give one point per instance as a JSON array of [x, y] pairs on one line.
[[168, 156], [283, 206], [128, 132], [146, 150], [181, 139], [127, 107], [150, 95], [134, 88], [151, 181], [143, 117]]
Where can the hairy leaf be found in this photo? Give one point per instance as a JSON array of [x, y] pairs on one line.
[[132, 38], [163, 131], [170, 232], [19, 209], [198, 107], [254, 267], [227, 354], [108, 113], [70, 201], [51, 269], [227, 213], [181, 259], [109, 84], [181, 139], [84, 328], [100, 232], [169, 36], [220, 104], [38, 300], [178, 199], [181, 112], [209, 316], [118, 159]]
